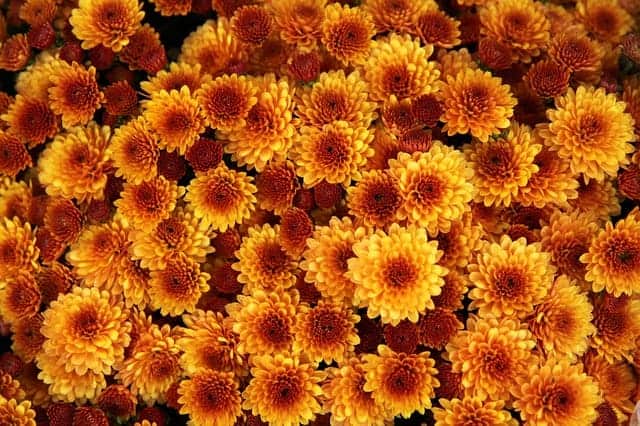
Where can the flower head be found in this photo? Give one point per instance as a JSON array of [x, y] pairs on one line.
[[295, 227], [210, 398], [118, 401], [134, 151], [276, 186], [36, 12], [607, 21], [472, 409], [252, 24], [437, 28], [27, 339], [376, 199], [179, 74], [347, 33], [576, 51], [548, 78], [172, 7], [616, 327], [19, 297], [395, 16], [226, 101], [14, 156], [31, 120], [299, 21], [18, 251], [17, 413]]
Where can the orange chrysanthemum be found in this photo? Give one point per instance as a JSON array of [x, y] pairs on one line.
[[397, 116], [347, 33], [548, 78], [19, 297], [396, 16], [494, 54], [14, 53], [399, 382], [31, 120], [617, 328], [18, 251], [37, 12], [117, 401], [521, 25], [210, 398], [74, 93], [451, 62], [283, 390], [27, 339], [134, 151], [396, 273], [109, 23], [376, 200], [226, 101], [14, 156], [437, 28], [617, 381], [172, 7], [295, 227], [458, 244], [491, 354], [476, 103], [613, 260], [145, 51], [276, 186], [437, 327], [222, 197], [453, 291], [577, 52], [120, 98], [17, 413], [10, 387], [179, 74], [63, 219], [472, 410], [251, 24], [604, 19], [299, 21], [557, 392], [54, 280]]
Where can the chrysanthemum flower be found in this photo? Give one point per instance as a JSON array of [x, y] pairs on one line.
[[617, 328], [106, 22], [522, 25], [213, 46], [336, 96], [326, 332], [435, 186], [210, 398], [63, 219], [34, 80], [10, 387], [398, 65], [453, 291], [346, 399], [283, 390], [31, 120], [557, 392], [598, 198], [263, 262], [120, 98], [335, 153], [416, 140], [606, 20], [494, 54], [509, 278], [613, 260], [74, 93], [176, 118], [16, 413], [145, 51], [252, 24], [491, 354], [16, 199], [404, 337], [472, 410], [437, 28], [399, 382], [295, 227], [14, 156], [503, 166], [577, 52], [395, 16], [172, 7], [397, 116], [376, 199], [134, 151], [19, 297], [451, 62], [347, 33], [548, 78], [27, 339], [135, 282], [276, 186], [153, 365], [299, 21], [179, 74], [396, 273], [616, 381], [226, 101], [14, 53], [18, 250], [36, 12], [264, 321], [457, 245], [476, 103], [222, 197], [117, 401], [437, 327], [385, 146], [270, 57], [450, 381], [590, 129], [53, 280]]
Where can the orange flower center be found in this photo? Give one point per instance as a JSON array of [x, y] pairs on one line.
[[273, 259], [396, 80], [85, 323], [171, 231], [332, 150], [400, 273], [622, 254], [509, 283], [327, 327], [285, 390], [402, 380]]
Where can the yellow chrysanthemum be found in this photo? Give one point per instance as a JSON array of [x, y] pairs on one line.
[[598, 198], [325, 259], [134, 151], [222, 197], [491, 354], [135, 284], [562, 322], [335, 153], [451, 62], [268, 130], [472, 410], [605, 19], [226, 101], [18, 251], [20, 297], [16, 413], [436, 187], [74, 165], [399, 66], [591, 129], [616, 380], [336, 97], [68, 386], [283, 390], [16, 198], [617, 328], [396, 273], [176, 118], [613, 260], [395, 16], [153, 365], [106, 22], [476, 102], [347, 33], [179, 74], [264, 321], [210, 398], [399, 382], [459, 242], [557, 393], [326, 332], [299, 21], [521, 25], [34, 80]]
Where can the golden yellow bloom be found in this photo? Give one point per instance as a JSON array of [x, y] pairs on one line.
[[226, 101], [436, 187], [451, 62], [106, 22], [18, 414], [31, 120], [398, 66], [605, 19], [521, 25], [598, 198], [325, 259], [557, 393], [68, 386], [179, 74], [476, 103], [283, 391], [172, 7], [299, 21], [264, 320], [459, 242], [491, 354], [176, 118], [617, 328], [613, 260], [268, 130], [436, 27], [347, 33], [346, 399], [34, 80], [210, 398], [262, 261], [591, 129], [134, 151], [18, 251], [222, 197], [395, 16], [616, 381], [15, 199], [457, 412], [335, 153], [74, 165], [396, 273], [153, 365], [326, 332], [20, 297], [399, 382]]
